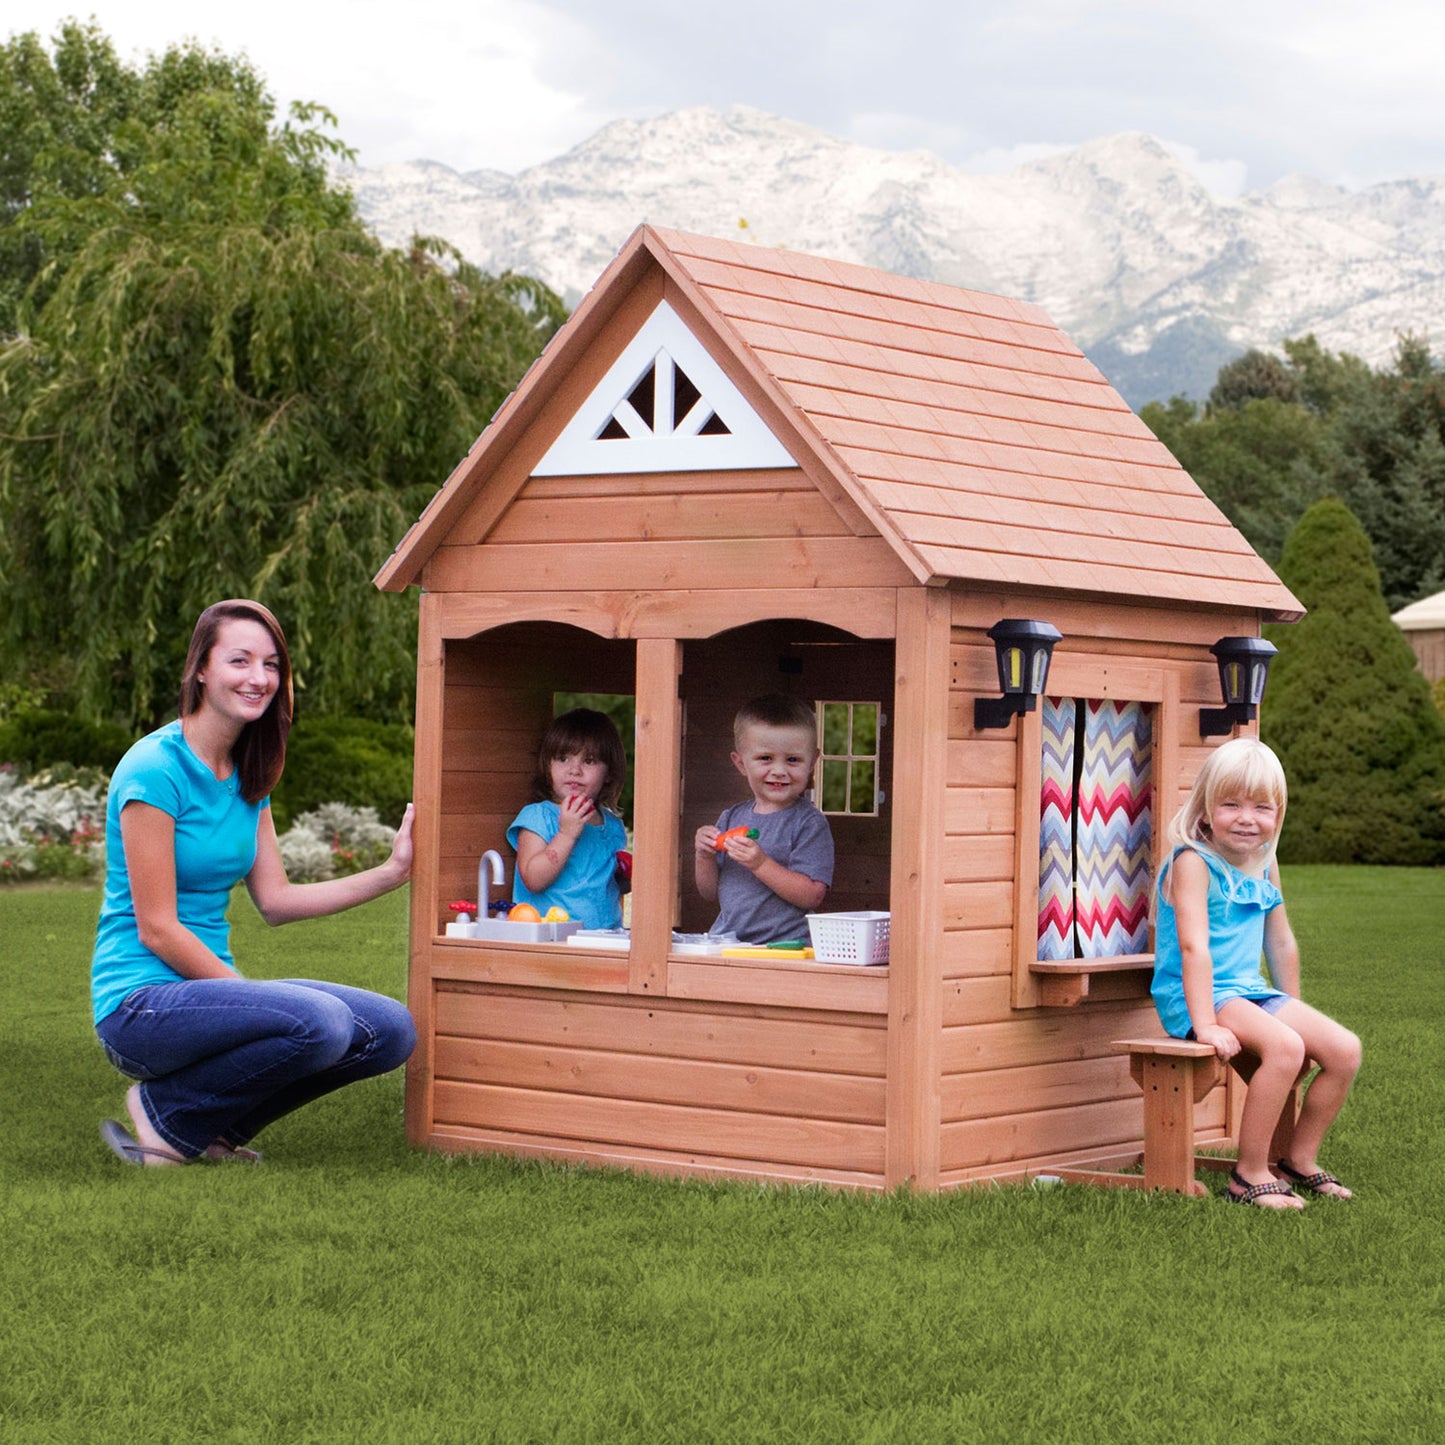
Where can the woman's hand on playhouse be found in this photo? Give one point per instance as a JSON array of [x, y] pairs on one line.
[[572, 814], [1220, 1039], [401, 845]]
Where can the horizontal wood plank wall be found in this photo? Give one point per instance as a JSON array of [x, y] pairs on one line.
[[1023, 1087], [719, 675], [735, 1088]]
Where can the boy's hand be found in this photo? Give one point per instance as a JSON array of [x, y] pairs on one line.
[[742, 849], [1220, 1039], [572, 814], [704, 839]]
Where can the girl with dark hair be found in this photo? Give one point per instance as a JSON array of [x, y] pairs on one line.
[[567, 841], [217, 1056]]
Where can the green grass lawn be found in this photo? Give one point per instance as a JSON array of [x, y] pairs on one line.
[[353, 1289]]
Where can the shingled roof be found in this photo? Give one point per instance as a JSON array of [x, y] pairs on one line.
[[979, 439]]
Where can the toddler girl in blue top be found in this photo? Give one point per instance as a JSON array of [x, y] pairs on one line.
[[1220, 905], [567, 841]]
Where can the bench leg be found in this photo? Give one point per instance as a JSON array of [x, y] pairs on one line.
[[1171, 1088]]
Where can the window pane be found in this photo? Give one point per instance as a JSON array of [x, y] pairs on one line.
[[835, 786], [861, 799], [865, 729], [835, 728]]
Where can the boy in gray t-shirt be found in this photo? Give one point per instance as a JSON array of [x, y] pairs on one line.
[[766, 884]]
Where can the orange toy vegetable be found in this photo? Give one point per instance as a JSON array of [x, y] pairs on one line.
[[524, 913], [721, 841]]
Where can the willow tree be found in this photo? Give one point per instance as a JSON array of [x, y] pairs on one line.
[[220, 384]]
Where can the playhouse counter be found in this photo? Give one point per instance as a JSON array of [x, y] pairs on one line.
[[785, 983]]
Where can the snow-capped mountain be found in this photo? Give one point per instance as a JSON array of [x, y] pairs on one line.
[[1159, 281]]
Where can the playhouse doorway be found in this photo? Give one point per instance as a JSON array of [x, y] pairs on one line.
[[831, 669]]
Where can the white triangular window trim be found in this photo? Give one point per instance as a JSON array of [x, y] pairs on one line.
[[664, 406]]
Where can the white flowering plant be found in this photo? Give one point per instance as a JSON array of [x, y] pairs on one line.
[[334, 839], [52, 824]]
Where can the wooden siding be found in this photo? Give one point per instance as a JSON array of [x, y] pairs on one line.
[[1023, 1087], [796, 1090], [1429, 647]]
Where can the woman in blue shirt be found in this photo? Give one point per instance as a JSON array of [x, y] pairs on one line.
[[217, 1057]]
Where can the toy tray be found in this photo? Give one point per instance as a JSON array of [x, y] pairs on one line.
[[503, 930]]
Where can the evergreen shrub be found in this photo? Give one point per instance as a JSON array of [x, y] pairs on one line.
[[35, 738], [1348, 711], [345, 760]]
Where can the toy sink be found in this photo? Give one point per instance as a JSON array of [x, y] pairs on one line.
[[502, 930]]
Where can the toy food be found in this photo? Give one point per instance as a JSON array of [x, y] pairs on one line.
[[556, 914], [524, 913], [624, 863], [721, 841]]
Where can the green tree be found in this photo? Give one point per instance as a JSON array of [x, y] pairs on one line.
[[1391, 439], [220, 384], [1255, 376], [1262, 461], [1349, 712]]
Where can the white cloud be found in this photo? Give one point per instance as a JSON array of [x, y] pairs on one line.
[[1340, 89]]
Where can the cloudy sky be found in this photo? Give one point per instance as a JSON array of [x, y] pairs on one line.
[[1349, 91]]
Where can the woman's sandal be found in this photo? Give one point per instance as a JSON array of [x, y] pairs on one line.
[[1317, 1183], [1252, 1193], [128, 1151]]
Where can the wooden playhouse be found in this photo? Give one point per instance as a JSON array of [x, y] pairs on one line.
[[738, 470]]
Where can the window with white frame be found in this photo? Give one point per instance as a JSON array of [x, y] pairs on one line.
[[846, 778]]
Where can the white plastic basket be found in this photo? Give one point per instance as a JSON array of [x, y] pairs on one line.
[[849, 937]]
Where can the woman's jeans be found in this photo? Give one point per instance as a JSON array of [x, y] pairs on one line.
[[220, 1058]]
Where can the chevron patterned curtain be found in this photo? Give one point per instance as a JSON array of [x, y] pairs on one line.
[[1113, 829], [1056, 832]]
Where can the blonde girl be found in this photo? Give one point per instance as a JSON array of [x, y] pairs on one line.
[[1219, 907]]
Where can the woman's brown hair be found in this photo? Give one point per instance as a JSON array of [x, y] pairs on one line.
[[260, 751]]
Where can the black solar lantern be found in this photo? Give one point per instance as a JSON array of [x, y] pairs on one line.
[[1023, 648], [1243, 669]]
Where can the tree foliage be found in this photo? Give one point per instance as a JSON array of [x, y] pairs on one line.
[[217, 383], [1348, 711], [1263, 461], [1255, 376], [1279, 434]]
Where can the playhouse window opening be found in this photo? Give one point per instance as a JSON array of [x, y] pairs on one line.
[[1095, 828], [845, 780]]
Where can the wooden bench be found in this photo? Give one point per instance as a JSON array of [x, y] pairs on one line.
[[1175, 1075]]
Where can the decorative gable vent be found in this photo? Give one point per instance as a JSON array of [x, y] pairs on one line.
[[664, 406]]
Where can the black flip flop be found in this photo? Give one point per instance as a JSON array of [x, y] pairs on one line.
[[127, 1150], [1316, 1183], [1252, 1192]]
